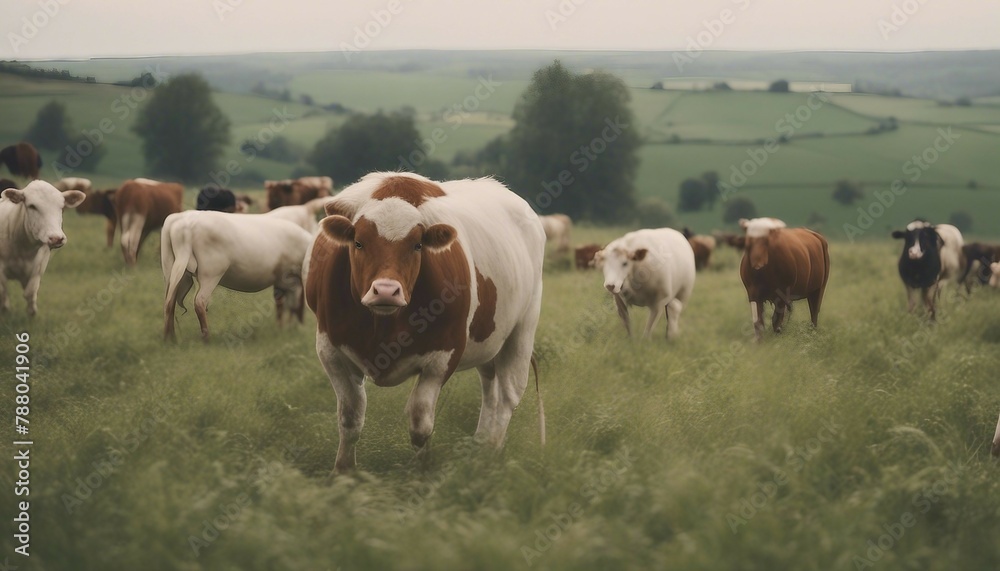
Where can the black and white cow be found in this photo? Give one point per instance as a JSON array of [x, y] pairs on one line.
[[931, 255]]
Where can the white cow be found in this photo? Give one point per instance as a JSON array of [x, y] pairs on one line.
[[30, 228], [74, 183], [952, 259], [652, 269], [303, 215], [557, 229], [241, 252]]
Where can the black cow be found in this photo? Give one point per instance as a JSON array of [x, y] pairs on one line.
[[215, 198], [920, 263], [6, 183], [985, 254]]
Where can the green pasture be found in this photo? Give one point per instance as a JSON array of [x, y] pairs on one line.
[[705, 452]]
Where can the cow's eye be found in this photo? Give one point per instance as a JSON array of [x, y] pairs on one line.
[[418, 246], [624, 264], [33, 207], [357, 245]]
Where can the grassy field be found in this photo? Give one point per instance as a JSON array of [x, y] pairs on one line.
[[709, 452]]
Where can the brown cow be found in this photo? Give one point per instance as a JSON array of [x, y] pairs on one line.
[[142, 205], [102, 202], [21, 159], [584, 256], [781, 265], [294, 192], [703, 247], [983, 255]]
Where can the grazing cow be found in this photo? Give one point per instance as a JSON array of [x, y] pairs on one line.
[[102, 202], [558, 228], [584, 256], [6, 183], [781, 265], [302, 215], [142, 206], [243, 203], [652, 269], [291, 192], [703, 247], [30, 228], [406, 278], [214, 198], [73, 183], [21, 159], [247, 253], [980, 256], [931, 255]]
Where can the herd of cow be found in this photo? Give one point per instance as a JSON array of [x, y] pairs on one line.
[[412, 277]]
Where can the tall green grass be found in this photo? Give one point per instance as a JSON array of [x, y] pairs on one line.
[[220, 454]]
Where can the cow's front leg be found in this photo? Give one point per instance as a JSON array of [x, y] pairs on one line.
[[4, 301], [623, 312], [930, 296], [911, 299], [422, 403], [348, 383], [31, 293], [757, 315], [654, 316]]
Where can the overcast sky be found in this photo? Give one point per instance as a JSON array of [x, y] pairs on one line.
[[89, 28]]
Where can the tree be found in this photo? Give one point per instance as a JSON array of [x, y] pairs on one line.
[[692, 195], [847, 192], [573, 148], [51, 127], [779, 86], [654, 212], [183, 132], [366, 143], [711, 182], [737, 208]]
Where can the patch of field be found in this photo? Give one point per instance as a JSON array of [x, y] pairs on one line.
[[923, 110], [655, 448]]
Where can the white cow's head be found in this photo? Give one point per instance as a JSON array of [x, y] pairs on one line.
[[619, 263], [995, 274], [43, 208]]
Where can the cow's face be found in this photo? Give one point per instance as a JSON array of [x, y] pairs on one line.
[[919, 241], [618, 264], [43, 207], [995, 274], [387, 245], [756, 250]]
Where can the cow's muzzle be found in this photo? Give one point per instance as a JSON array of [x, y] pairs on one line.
[[56, 242], [384, 297]]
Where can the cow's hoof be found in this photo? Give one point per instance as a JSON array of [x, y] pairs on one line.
[[996, 449]]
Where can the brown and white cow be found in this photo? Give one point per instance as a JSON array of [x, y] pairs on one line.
[[558, 228], [584, 255], [299, 191], [142, 205], [414, 277], [30, 228], [781, 265], [73, 183]]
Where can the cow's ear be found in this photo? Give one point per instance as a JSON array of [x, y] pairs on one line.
[[640, 254], [898, 234], [743, 223], [438, 237], [334, 208], [338, 229], [73, 198], [14, 195]]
